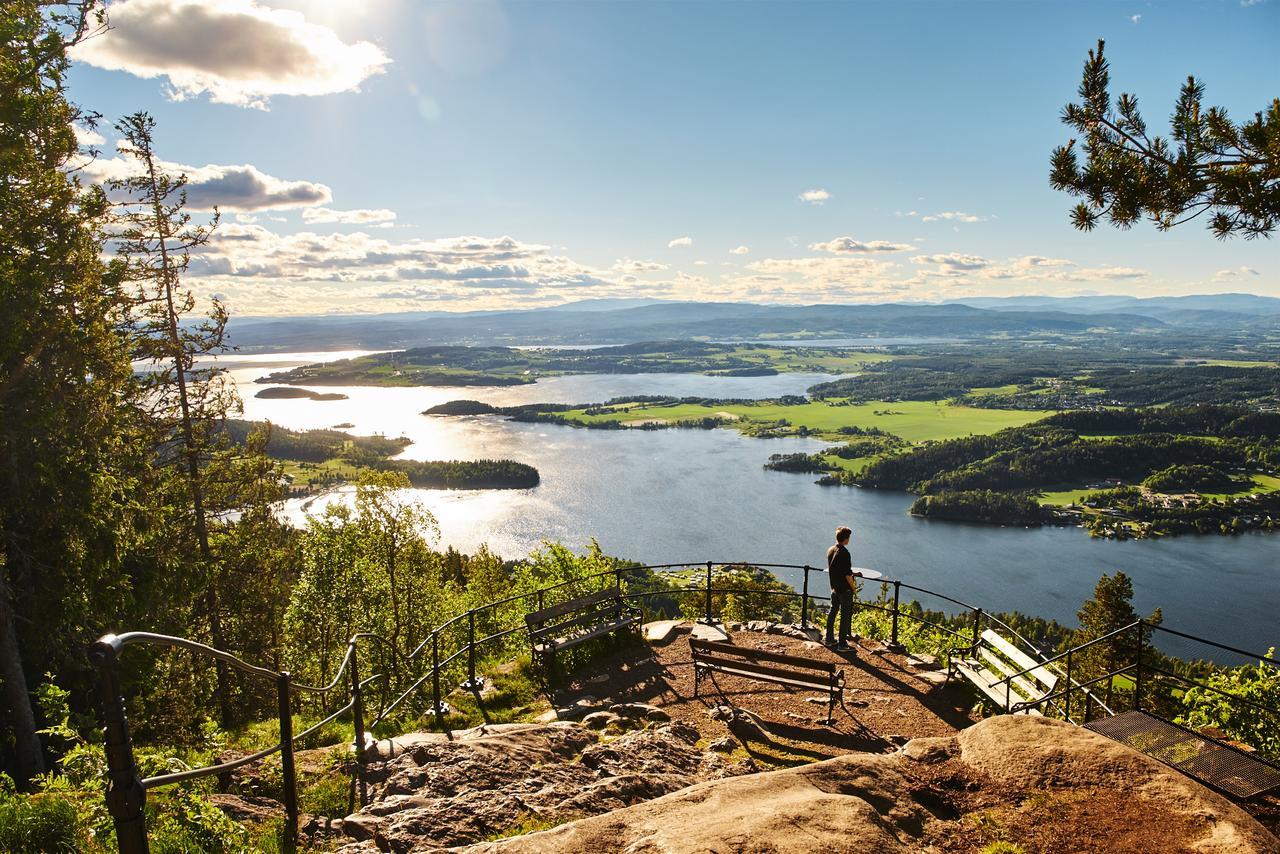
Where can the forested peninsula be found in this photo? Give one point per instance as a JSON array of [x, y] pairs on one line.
[[316, 460]]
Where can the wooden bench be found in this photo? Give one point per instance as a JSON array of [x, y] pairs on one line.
[[577, 621], [991, 662], [787, 670]]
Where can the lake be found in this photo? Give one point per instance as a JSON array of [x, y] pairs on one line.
[[693, 495]]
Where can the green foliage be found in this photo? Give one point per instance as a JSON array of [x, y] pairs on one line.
[[1255, 725], [1107, 611], [1212, 165], [67, 453], [1190, 478], [980, 505]]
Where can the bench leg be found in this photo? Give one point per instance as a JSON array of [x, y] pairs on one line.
[[696, 671]]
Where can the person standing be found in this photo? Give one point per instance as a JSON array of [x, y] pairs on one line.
[[840, 569]]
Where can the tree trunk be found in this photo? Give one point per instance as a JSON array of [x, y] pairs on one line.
[[29, 760]]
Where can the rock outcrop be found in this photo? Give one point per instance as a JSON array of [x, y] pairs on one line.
[[434, 792], [1039, 784]]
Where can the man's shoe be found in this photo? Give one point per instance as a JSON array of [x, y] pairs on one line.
[[842, 647], [829, 643]]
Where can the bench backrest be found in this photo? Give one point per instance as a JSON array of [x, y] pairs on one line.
[[591, 602], [1040, 674], [747, 655]]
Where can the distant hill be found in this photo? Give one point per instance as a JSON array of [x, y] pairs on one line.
[[597, 322]]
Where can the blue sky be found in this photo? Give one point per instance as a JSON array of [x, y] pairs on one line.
[[535, 153]]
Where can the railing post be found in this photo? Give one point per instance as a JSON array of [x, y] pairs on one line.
[[474, 682], [435, 678], [977, 625], [804, 601], [125, 796], [357, 722], [1067, 713], [893, 628], [710, 619], [1137, 671], [286, 763], [1088, 705]]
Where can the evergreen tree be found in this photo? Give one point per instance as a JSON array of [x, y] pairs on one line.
[[187, 400], [1214, 166], [1110, 609], [65, 378]]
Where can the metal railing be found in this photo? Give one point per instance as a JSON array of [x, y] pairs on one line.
[[428, 662]]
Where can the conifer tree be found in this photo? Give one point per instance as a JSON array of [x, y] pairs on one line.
[[1110, 609], [188, 399], [65, 379], [1213, 165]]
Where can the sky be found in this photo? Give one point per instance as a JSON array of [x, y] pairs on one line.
[[402, 155]]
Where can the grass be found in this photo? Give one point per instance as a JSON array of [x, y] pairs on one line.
[[1257, 483], [913, 420]]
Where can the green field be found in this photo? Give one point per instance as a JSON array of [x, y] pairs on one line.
[[915, 421], [1259, 483]]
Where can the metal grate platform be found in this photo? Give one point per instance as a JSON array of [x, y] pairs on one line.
[[1217, 765]]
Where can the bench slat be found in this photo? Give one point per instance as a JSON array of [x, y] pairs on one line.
[[574, 640], [596, 615], [762, 670], [722, 648], [983, 679], [1043, 675], [1024, 689], [755, 674], [569, 606]]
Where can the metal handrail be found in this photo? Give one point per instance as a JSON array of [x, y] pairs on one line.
[[126, 791]]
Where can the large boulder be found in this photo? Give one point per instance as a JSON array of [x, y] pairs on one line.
[[1040, 784], [485, 782]]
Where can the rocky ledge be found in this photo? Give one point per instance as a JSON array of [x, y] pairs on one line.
[[1014, 784], [429, 793]]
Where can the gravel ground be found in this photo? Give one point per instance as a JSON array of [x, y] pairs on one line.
[[886, 700]]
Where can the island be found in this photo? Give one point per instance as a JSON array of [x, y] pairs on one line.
[[316, 460], [289, 393]]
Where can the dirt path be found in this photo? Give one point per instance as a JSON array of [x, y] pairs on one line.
[[886, 700]]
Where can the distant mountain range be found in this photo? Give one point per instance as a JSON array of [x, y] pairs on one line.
[[628, 321]]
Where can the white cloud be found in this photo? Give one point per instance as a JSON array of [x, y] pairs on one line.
[[953, 261], [680, 241], [740, 250], [849, 246], [236, 51], [232, 188], [814, 197], [1238, 271], [955, 216], [633, 267], [359, 216], [1135, 18], [87, 136]]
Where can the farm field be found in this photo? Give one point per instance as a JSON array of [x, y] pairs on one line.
[[915, 421]]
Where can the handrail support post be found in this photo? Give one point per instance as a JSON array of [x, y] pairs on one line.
[[804, 600], [474, 682], [287, 768], [357, 721], [894, 645], [1137, 675], [708, 617], [126, 797]]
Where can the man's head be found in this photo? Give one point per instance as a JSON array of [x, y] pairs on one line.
[[843, 534]]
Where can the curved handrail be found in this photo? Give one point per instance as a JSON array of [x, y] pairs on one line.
[[125, 803]]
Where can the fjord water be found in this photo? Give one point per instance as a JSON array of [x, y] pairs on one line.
[[691, 495]]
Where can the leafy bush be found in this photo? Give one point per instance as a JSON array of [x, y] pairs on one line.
[[1257, 727]]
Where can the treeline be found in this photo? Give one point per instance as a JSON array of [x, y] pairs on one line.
[[465, 474], [1050, 452], [314, 446], [981, 505]]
